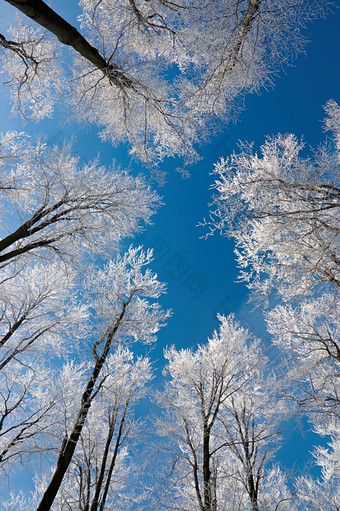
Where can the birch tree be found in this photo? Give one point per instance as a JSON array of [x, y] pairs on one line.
[[212, 54]]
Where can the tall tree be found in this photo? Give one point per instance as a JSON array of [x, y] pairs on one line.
[[59, 414], [99, 473], [211, 53], [283, 212], [222, 428], [120, 299]]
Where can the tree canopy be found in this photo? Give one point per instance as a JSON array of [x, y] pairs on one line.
[[81, 307]]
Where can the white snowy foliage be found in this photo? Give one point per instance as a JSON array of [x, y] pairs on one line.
[[220, 417], [32, 71], [332, 122], [126, 284], [39, 313], [323, 493], [283, 212], [110, 425], [35, 404], [64, 207], [169, 69], [275, 492], [309, 329], [42, 406]]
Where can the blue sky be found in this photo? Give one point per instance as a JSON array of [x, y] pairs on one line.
[[200, 273]]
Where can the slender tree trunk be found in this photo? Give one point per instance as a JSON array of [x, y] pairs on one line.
[[252, 492], [113, 460], [206, 468], [70, 443], [252, 9], [100, 481], [252, 489]]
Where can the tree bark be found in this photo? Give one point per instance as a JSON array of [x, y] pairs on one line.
[[42, 14], [113, 460], [206, 468]]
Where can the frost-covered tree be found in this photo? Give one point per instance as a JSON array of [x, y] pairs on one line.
[[55, 214], [38, 313], [54, 206], [35, 402], [211, 53], [40, 320], [122, 300], [323, 492], [309, 333], [99, 471], [222, 422], [101, 475], [283, 211]]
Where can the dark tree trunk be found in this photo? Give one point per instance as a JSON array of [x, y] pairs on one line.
[[252, 487], [206, 468], [252, 492], [42, 14], [113, 460], [101, 479]]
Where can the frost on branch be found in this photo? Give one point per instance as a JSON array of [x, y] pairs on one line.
[[102, 460], [324, 492], [332, 121], [62, 208], [212, 55], [30, 63], [39, 313], [309, 333], [36, 404], [125, 284], [120, 305], [283, 212], [219, 414], [160, 74]]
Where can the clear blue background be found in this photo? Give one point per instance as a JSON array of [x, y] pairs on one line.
[[293, 106]]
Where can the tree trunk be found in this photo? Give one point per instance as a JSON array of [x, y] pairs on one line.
[[206, 468], [113, 460], [252, 9], [42, 14]]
